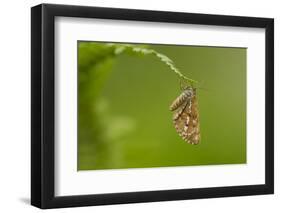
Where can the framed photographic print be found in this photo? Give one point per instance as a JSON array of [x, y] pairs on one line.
[[138, 106]]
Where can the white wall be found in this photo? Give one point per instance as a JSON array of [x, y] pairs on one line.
[[15, 105]]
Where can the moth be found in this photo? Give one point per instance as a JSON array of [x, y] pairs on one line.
[[186, 115]]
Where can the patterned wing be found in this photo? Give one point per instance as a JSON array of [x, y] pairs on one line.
[[186, 120]]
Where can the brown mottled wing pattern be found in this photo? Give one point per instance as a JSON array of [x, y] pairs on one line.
[[186, 116]]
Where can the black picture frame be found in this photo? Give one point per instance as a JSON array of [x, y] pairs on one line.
[[43, 102]]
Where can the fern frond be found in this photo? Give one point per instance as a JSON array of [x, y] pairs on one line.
[[123, 48]]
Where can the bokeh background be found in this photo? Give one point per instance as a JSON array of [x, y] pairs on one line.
[[123, 107]]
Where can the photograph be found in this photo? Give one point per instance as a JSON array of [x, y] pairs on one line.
[[136, 105], [160, 105]]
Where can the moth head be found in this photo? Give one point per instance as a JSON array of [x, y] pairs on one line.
[[189, 90]]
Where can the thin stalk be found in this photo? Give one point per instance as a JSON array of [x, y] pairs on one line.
[[123, 48]]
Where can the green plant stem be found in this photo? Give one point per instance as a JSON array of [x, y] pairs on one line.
[[123, 48]]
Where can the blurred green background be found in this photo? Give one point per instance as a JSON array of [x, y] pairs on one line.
[[123, 107]]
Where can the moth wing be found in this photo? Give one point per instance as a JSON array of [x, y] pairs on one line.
[[181, 118], [186, 121], [194, 124]]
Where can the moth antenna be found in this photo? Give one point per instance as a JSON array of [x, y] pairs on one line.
[[203, 88], [200, 86]]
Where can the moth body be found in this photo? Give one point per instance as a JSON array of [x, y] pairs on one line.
[[186, 116]]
